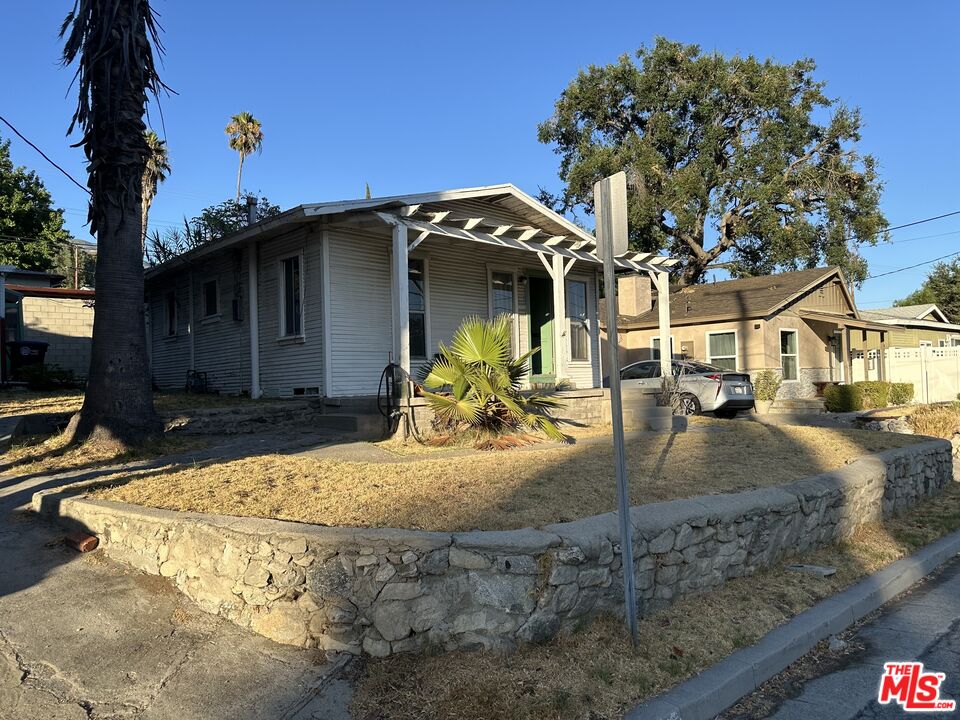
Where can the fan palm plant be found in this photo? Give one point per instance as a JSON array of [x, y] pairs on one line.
[[246, 137], [155, 171], [476, 387], [112, 43]]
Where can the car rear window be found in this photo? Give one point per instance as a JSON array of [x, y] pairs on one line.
[[699, 367]]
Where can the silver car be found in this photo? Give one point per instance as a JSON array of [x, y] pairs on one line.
[[700, 387]]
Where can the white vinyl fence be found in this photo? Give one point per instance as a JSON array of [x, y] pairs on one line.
[[934, 372]]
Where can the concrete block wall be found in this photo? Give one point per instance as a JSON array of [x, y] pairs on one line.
[[65, 323], [386, 591]]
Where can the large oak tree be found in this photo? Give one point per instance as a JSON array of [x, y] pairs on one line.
[[734, 161], [111, 42]]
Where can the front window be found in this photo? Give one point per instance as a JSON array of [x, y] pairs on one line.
[[577, 314], [170, 313], [211, 298], [417, 289], [722, 349], [641, 371], [292, 308], [502, 302], [788, 354]]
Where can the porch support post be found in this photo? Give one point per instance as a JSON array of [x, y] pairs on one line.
[[253, 305], [882, 356], [866, 354], [845, 354], [560, 349], [401, 299], [661, 281]]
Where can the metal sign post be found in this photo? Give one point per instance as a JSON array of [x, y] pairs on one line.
[[610, 203]]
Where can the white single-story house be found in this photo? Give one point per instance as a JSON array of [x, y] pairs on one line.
[[319, 299]]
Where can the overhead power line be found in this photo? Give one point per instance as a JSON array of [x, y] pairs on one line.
[[43, 154], [911, 267]]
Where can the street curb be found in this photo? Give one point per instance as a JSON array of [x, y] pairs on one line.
[[720, 686]]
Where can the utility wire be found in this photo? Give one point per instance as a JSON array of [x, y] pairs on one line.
[[910, 267], [45, 157]]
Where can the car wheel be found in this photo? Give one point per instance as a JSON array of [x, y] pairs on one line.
[[687, 404], [726, 414]]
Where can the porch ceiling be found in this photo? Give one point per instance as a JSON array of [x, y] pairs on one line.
[[840, 321]]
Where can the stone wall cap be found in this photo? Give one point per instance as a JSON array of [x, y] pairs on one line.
[[526, 541]]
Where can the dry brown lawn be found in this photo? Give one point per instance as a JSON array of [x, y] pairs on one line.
[[596, 674], [507, 489], [25, 402]]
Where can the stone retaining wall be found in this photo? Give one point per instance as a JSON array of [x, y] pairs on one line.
[[384, 591]]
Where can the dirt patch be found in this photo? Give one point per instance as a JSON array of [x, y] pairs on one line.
[[595, 673], [502, 490]]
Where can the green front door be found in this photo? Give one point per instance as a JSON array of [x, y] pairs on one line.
[[541, 329]]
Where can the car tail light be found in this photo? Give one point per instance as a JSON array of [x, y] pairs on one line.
[[714, 377]]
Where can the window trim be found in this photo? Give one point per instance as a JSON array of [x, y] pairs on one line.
[[736, 348], [796, 354], [281, 299], [586, 322], [203, 299], [512, 272], [656, 338], [925, 343], [166, 315], [427, 338]]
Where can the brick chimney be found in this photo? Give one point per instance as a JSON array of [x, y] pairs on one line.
[[634, 296]]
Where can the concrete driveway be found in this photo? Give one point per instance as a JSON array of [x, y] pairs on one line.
[[83, 637]]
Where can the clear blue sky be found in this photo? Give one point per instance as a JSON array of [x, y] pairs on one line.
[[419, 96]]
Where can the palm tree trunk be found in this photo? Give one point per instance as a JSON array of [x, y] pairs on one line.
[[118, 403], [144, 215], [239, 175]]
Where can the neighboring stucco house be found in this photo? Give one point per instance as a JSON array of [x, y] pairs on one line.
[[916, 326], [36, 309], [804, 325], [317, 300]]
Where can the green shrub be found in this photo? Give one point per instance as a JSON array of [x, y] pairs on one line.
[[875, 394], [901, 393], [843, 398], [47, 377], [765, 385]]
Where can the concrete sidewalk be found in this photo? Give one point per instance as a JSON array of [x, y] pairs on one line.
[[83, 637]]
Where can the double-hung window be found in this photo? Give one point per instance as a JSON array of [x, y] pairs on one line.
[[655, 348], [503, 303], [170, 313], [788, 355], [722, 349], [417, 289], [291, 294], [211, 298], [577, 315]]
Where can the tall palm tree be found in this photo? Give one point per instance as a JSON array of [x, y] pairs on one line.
[[246, 137], [112, 43], [155, 171]]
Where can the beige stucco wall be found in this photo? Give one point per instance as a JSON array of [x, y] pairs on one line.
[[65, 323]]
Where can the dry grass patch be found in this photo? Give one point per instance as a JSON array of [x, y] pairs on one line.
[[26, 402], [595, 673], [502, 490], [56, 455], [941, 421]]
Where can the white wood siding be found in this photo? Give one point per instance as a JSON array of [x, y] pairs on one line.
[[171, 355], [288, 363], [361, 325]]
